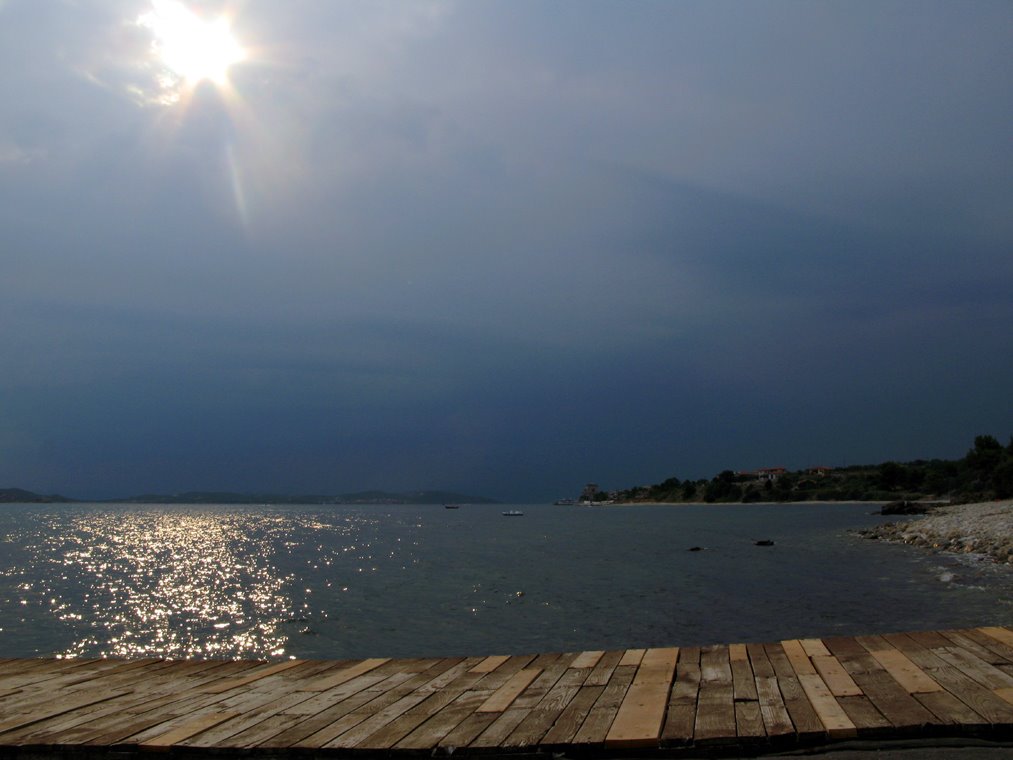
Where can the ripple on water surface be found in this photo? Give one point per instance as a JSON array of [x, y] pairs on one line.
[[256, 581]]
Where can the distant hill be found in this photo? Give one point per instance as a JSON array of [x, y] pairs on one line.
[[985, 473], [360, 497], [21, 496]]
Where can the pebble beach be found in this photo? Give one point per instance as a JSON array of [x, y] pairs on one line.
[[984, 528]]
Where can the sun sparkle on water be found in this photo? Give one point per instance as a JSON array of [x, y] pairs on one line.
[[192, 48]]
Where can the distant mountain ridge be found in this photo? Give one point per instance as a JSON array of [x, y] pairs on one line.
[[19, 495]]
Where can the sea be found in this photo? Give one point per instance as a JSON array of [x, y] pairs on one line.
[[271, 582]]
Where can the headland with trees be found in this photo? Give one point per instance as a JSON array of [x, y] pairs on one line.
[[984, 473]]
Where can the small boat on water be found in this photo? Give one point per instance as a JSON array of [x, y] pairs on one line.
[[513, 513], [451, 506]]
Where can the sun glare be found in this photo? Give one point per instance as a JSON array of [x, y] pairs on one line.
[[192, 48]]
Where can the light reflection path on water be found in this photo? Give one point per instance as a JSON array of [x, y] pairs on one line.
[[418, 581], [171, 585], [177, 582]]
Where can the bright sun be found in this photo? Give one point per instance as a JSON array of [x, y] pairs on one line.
[[192, 48]]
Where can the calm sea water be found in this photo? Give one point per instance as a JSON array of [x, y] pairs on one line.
[[332, 582]]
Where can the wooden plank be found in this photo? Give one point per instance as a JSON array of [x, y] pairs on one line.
[[814, 647], [843, 647], [58, 706], [1000, 652], [749, 722], [894, 702], [503, 697], [380, 720], [715, 714], [632, 657], [906, 673], [599, 720], [572, 718], [980, 671], [1006, 694], [967, 641], [835, 676], [1002, 635], [641, 714], [798, 658], [681, 718], [759, 661], [496, 734], [398, 729], [951, 711], [537, 723], [457, 725], [588, 659], [234, 683], [980, 699], [714, 664], [743, 678], [603, 670], [371, 701], [344, 675], [869, 722], [489, 664], [831, 714], [188, 729], [776, 721]]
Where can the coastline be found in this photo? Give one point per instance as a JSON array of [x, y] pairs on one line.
[[984, 528]]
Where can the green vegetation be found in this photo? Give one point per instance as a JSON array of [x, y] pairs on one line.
[[985, 473]]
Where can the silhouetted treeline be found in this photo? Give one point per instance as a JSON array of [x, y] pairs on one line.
[[985, 473]]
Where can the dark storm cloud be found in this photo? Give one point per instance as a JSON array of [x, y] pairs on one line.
[[502, 247]]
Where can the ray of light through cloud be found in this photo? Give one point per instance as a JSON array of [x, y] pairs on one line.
[[497, 247]]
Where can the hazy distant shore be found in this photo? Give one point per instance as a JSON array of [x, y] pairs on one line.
[[983, 528]]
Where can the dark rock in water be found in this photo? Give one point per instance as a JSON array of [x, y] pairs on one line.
[[764, 542], [695, 549], [904, 508]]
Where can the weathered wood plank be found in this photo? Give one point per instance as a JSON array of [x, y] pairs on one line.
[[185, 730], [905, 672], [588, 659], [798, 658], [602, 672], [642, 712], [715, 714], [380, 719], [489, 664], [235, 683], [572, 718], [543, 715], [344, 675], [714, 665], [814, 647], [743, 678], [503, 697], [457, 725], [749, 722], [896, 703], [681, 718], [1002, 635], [595, 727], [632, 657], [980, 671], [776, 721], [835, 676], [831, 714]]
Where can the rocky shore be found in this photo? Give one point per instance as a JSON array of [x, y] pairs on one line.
[[985, 528]]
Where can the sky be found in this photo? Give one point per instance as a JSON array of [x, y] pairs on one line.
[[501, 247]]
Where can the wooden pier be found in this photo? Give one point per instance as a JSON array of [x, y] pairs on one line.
[[748, 698]]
